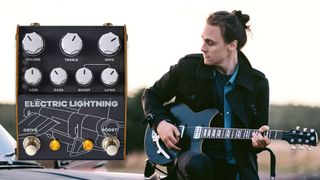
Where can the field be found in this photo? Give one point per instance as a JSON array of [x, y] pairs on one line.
[[291, 164]]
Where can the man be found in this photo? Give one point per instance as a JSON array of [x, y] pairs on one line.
[[222, 78]]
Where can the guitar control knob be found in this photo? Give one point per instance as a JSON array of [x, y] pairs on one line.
[[84, 76], [111, 145], [109, 76], [33, 43], [109, 44], [58, 76], [31, 145], [32, 76], [71, 44]]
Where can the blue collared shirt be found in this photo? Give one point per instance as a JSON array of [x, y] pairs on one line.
[[227, 115], [228, 86]]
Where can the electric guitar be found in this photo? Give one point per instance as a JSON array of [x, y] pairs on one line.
[[195, 127]]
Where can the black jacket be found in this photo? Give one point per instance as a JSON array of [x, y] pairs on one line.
[[192, 83]]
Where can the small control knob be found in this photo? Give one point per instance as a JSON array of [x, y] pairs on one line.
[[109, 76], [71, 44], [32, 76], [111, 145], [84, 76], [33, 43], [31, 145], [109, 44], [58, 76]]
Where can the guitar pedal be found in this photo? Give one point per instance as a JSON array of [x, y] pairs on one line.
[[71, 92]]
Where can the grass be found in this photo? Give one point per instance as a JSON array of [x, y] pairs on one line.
[[294, 162]]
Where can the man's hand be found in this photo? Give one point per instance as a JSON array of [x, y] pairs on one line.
[[259, 141], [169, 134]]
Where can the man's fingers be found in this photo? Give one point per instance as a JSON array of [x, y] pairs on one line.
[[176, 133], [263, 128], [268, 141], [259, 141], [170, 145], [173, 139]]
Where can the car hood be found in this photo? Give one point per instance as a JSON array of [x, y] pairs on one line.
[[57, 174]]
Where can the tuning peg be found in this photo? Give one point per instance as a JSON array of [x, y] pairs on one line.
[[298, 127], [293, 147], [301, 147], [305, 129], [309, 148]]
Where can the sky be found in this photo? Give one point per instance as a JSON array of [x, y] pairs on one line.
[[283, 43]]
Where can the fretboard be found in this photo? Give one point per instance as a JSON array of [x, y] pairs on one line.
[[232, 133]]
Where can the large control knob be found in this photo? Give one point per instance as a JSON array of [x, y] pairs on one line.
[[84, 76], [31, 145], [32, 76], [109, 76], [71, 44], [109, 44], [111, 145], [33, 43], [58, 76]]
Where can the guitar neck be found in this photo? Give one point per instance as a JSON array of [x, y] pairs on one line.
[[232, 133]]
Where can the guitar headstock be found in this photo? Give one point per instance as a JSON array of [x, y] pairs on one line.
[[303, 137]]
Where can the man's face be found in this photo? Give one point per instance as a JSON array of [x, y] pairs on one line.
[[215, 50]]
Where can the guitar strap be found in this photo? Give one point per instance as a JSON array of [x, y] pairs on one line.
[[272, 163], [149, 170]]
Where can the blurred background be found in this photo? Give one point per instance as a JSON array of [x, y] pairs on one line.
[[283, 44]]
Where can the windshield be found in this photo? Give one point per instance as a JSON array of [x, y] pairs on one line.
[[8, 144], [7, 153]]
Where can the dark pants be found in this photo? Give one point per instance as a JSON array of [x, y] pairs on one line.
[[193, 165]]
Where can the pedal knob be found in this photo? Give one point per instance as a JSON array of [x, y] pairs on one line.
[[109, 44], [71, 44], [33, 43], [31, 145], [84, 76], [33, 76], [109, 76], [58, 76], [111, 145]]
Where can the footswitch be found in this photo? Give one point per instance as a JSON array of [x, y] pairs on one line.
[[31, 145], [111, 145]]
